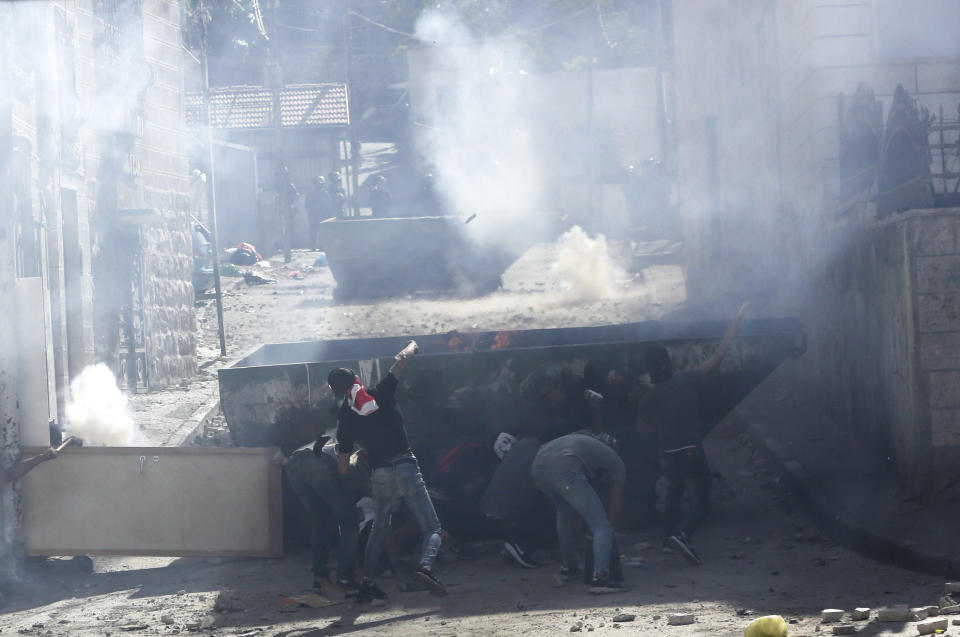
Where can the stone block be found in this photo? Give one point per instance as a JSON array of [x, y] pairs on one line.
[[844, 629], [938, 273], [859, 614], [934, 235], [944, 389], [680, 619], [932, 610], [930, 626], [918, 613], [894, 614], [945, 427], [831, 615], [950, 610], [939, 312], [940, 350], [951, 587]]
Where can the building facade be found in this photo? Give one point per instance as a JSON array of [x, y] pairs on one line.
[[815, 152], [96, 250]]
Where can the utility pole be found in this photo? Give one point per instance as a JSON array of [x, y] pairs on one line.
[[211, 180], [281, 178], [351, 131]]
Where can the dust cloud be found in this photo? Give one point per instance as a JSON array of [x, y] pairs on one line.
[[98, 412], [585, 268]]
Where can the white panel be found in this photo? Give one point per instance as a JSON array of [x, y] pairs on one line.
[[186, 501], [34, 390]]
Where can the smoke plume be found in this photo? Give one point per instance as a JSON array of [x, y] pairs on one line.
[[98, 412], [585, 267]]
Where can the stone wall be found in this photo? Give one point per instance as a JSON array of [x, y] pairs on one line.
[[759, 89]]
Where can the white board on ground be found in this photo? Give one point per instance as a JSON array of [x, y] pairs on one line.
[[175, 501]]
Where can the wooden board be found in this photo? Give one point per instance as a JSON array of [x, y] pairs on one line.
[[185, 501]]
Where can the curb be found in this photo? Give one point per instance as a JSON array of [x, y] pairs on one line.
[[195, 424], [853, 533]]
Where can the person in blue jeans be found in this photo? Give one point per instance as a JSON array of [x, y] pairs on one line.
[[564, 469], [312, 472], [372, 420]]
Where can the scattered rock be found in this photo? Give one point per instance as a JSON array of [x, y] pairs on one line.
[[893, 614], [930, 626], [208, 622], [858, 614], [166, 619], [932, 611], [576, 628], [192, 625], [947, 600], [955, 622], [680, 619], [132, 627], [624, 617], [918, 613], [589, 628], [951, 587], [844, 629], [950, 610], [378, 602], [831, 615]]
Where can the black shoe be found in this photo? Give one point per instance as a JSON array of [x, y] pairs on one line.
[[517, 555], [603, 585], [368, 592], [681, 545], [427, 578]]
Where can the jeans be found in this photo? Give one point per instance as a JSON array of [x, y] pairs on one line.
[[571, 493], [687, 468], [323, 490], [391, 485]]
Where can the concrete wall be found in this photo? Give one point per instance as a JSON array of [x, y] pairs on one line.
[[763, 221]]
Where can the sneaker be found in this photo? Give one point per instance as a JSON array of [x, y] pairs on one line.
[[369, 591], [569, 573], [426, 577], [680, 544], [604, 585], [517, 555]]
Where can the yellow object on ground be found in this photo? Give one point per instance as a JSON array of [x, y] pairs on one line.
[[769, 626]]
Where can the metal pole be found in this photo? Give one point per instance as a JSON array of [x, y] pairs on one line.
[[354, 157], [211, 190]]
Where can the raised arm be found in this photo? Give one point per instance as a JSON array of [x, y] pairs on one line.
[[402, 359], [713, 362]]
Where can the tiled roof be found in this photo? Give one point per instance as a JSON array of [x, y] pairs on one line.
[[310, 105]]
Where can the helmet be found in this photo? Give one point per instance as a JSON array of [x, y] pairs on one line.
[[319, 180]]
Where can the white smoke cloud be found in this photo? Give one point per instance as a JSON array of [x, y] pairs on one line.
[[98, 412], [586, 269], [479, 135]]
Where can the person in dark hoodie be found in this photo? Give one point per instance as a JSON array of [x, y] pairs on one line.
[[372, 420], [671, 410]]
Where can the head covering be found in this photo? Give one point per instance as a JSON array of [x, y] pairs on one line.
[[501, 446]]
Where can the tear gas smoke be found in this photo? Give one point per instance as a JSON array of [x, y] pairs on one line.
[[478, 139], [585, 267], [98, 412]]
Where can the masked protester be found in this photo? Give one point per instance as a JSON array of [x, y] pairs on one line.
[[371, 419]]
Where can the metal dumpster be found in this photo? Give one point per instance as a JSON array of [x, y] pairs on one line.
[[465, 385], [470, 386], [372, 257]]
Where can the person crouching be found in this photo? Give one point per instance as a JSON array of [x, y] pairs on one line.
[[563, 469]]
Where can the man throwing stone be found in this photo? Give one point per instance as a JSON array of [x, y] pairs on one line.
[[371, 419]]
